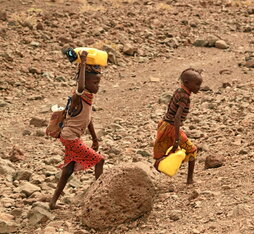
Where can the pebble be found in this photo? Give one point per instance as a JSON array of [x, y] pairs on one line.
[[250, 63], [3, 103], [144, 153], [214, 161], [26, 132], [220, 44], [35, 44], [128, 49], [40, 133], [38, 122]]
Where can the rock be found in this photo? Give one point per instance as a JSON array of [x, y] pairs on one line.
[[35, 97], [39, 26], [214, 161], [64, 40], [7, 56], [7, 202], [17, 212], [27, 23], [28, 188], [115, 126], [3, 15], [226, 84], [144, 153], [175, 215], [112, 54], [33, 70], [200, 43], [220, 44], [193, 195], [7, 225], [6, 168], [129, 50], [40, 133], [16, 154], [205, 88], [250, 63], [112, 58], [23, 175], [37, 122], [49, 170], [155, 79], [26, 132], [3, 103], [240, 210], [49, 230], [195, 231], [226, 72], [3, 33], [98, 30], [35, 43], [38, 215], [124, 193], [209, 42], [251, 11]]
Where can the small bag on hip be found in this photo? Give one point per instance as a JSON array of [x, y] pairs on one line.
[[56, 122]]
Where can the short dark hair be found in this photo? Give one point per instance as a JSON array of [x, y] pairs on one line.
[[189, 69]]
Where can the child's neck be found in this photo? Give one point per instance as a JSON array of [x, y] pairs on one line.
[[87, 97], [186, 89]]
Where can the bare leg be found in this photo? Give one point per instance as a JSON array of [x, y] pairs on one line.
[[190, 171], [99, 169], [66, 173]]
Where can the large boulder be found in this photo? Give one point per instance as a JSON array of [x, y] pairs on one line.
[[122, 194]]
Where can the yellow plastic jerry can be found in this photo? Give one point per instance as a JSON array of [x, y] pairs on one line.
[[172, 162], [94, 57]]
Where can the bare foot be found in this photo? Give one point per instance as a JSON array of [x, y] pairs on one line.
[[190, 182], [52, 206]]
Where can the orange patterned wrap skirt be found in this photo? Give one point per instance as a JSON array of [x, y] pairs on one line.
[[166, 138]]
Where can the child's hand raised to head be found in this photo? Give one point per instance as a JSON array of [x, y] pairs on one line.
[[83, 56]]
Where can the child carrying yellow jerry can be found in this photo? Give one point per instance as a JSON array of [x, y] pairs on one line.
[[172, 162]]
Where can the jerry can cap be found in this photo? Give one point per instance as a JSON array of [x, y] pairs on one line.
[[71, 54]]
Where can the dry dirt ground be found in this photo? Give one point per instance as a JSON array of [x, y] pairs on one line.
[[151, 42]]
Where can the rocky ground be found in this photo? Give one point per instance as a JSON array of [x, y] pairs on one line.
[[149, 44]]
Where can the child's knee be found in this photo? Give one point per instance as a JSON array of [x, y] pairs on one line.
[[68, 170], [191, 155], [101, 162]]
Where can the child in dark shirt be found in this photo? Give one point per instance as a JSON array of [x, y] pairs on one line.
[[169, 132]]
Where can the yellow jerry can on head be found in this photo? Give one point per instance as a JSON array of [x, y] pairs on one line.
[[94, 57], [172, 162]]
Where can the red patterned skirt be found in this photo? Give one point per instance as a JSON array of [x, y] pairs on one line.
[[77, 151]]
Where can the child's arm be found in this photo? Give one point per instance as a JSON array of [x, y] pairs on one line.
[[177, 123], [95, 145], [81, 84]]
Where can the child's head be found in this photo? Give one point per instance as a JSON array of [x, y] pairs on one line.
[[191, 79], [92, 77], [92, 82]]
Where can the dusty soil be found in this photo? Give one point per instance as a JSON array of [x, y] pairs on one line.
[[131, 101]]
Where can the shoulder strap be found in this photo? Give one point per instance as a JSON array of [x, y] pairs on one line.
[[68, 103]]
